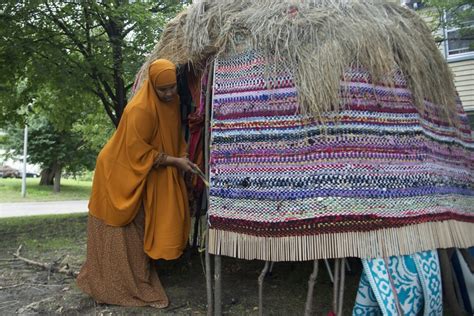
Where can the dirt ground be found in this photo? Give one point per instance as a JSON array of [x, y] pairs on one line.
[[25, 289]]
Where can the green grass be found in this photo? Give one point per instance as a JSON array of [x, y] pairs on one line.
[[44, 233], [10, 190]]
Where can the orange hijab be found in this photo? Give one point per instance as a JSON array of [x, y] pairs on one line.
[[125, 179]]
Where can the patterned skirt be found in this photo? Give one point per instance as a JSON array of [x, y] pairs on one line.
[[117, 271]]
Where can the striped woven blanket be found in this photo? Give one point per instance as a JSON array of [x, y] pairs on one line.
[[378, 178]]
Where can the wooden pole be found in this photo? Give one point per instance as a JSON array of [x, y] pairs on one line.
[[328, 267], [208, 278], [217, 286], [25, 150], [311, 282], [341, 287], [261, 277], [207, 119], [337, 264]]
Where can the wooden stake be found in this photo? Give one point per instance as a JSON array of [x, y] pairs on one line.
[[217, 286], [341, 286], [207, 109], [261, 277], [328, 267], [208, 277], [337, 264], [311, 282]]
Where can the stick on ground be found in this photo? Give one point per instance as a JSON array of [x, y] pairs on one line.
[[49, 267]]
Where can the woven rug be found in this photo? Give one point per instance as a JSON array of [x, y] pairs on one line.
[[375, 180]]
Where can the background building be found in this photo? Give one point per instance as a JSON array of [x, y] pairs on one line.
[[456, 45]]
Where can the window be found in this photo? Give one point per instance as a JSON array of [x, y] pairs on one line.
[[459, 43], [460, 32]]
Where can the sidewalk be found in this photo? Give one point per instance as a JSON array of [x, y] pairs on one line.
[[42, 208]]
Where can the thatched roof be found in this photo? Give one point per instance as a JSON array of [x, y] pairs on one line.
[[317, 40]]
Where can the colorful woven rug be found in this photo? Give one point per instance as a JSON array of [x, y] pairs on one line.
[[400, 285], [377, 180]]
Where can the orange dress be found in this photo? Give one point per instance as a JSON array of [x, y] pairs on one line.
[[126, 182], [125, 177]]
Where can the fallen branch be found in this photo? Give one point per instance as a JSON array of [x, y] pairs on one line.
[[52, 267], [11, 286], [34, 305]]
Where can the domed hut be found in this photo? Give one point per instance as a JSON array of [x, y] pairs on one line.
[[334, 131]]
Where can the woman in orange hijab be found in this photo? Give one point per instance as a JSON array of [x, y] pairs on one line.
[[138, 207]]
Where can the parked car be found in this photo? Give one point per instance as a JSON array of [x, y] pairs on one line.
[[9, 172]]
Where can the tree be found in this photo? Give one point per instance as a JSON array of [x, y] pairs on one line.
[[446, 14], [54, 150], [61, 60], [95, 45]]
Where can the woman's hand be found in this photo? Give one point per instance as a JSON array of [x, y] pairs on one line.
[[183, 164]]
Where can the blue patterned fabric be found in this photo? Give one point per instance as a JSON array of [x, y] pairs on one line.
[[400, 285], [427, 263]]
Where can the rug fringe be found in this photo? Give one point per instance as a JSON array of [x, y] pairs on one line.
[[381, 243]]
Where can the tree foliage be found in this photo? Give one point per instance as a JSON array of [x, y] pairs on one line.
[[80, 48], [55, 151], [66, 68], [445, 14]]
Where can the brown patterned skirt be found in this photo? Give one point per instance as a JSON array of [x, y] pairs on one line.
[[117, 270]]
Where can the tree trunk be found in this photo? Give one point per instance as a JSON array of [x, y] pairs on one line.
[[57, 180], [115, 32], [47, 177], [52, 176]]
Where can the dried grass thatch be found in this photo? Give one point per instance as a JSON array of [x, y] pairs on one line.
[[316, 40]]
